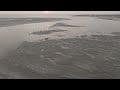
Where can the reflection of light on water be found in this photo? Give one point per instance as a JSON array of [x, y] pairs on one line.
[[17, 34], [97, 27], [12, 36], [46, 11]]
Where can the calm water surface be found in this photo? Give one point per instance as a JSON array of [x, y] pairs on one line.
[[12, 36]]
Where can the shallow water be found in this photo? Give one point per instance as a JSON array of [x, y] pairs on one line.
[[27, 56], [11, 37], [87, 26]]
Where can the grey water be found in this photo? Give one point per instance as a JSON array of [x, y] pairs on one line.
[[17, 30], [12, 36]]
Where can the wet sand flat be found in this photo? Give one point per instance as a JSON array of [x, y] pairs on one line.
[[14, 30], [77, 58], [78, 48]]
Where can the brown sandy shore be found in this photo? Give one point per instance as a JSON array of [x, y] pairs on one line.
[[93, 57]]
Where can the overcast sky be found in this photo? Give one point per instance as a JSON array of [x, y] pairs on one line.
[[60, 12]]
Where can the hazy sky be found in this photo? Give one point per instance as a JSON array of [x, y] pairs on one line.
[[60, 12]]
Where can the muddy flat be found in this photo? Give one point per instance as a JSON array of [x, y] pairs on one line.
[[78, 48]]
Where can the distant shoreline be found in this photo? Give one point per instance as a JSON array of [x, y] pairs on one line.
[[98, 15], [18, 21]]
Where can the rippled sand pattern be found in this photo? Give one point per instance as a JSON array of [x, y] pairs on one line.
[[75, 55], [67, 58]]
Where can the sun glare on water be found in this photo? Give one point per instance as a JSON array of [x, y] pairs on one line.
[[46, 11]]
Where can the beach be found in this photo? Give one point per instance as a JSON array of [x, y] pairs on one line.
[[77, 47]]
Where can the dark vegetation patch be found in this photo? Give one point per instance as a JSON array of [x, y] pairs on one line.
[[63, 25], [47, 32]]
